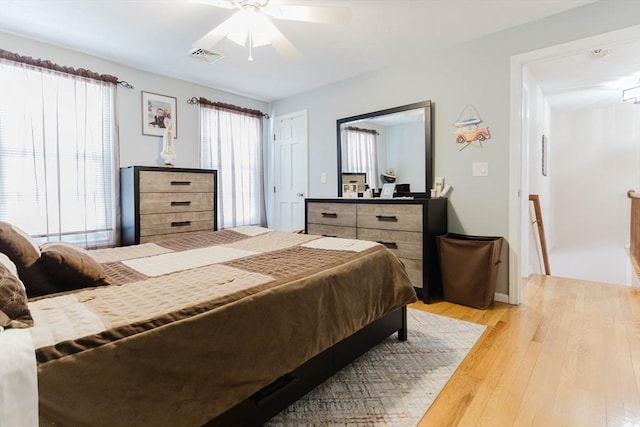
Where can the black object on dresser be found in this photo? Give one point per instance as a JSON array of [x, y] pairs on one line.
[[158, 202], [406, 226]]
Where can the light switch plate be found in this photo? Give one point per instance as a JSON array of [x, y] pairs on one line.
[[323, 177], [480, 169]]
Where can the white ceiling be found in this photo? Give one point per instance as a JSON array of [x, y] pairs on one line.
[[157, 36], [587, 79]]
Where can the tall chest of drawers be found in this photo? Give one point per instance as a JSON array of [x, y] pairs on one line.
[[407, 227], [158, 203]]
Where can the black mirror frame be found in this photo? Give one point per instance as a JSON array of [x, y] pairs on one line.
[[428, 139]]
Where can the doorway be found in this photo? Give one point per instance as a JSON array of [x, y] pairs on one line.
[[521, 152]]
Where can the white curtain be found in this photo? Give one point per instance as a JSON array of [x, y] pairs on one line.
[[231, 143], [360, 154], [58, 155]]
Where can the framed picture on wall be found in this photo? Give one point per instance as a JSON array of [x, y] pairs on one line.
[[544, 155], [157, 111]]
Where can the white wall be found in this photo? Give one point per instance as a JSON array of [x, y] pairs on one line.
[[135, 148], [475, 73], [538, 124], [596, 159]]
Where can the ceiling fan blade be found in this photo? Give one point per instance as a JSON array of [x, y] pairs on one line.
[[282, 45], [218, 33], [319, 14]]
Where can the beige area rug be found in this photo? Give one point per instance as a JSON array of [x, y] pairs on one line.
[[394, 383]]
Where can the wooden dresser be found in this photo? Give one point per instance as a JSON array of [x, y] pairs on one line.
[[158, 203], [407, 227]]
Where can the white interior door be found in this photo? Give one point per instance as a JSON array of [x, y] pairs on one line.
[[291, 170]]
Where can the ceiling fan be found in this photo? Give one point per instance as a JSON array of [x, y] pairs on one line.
[[252, 25]]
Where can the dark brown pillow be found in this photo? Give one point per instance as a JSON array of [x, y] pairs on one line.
[[14, 311], [8, 264], [71, 266], [24, 253]]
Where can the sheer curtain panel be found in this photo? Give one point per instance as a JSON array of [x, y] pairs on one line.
[[231, 143], [360, 154], [58, 154]]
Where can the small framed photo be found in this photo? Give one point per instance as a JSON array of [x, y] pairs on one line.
[[387, 191], [545, 154], [157, 110], [350, 190]]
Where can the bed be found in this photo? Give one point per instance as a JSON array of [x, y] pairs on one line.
[[218, 328]]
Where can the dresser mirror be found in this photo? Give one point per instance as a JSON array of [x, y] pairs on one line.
[[388, 146]]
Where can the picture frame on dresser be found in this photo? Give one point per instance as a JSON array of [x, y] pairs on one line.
[[156, 111], [387, 191], [350, 190]]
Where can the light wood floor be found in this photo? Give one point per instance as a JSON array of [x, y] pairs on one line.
[[569, 355]]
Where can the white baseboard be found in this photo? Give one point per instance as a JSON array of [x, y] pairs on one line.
[[501, 297]]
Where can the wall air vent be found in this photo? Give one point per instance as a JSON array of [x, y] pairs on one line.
[[206, 55]]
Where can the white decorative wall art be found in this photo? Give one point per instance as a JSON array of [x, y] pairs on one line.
[[467, 130]]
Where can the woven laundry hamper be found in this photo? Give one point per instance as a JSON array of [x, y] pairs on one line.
[[469, 268]]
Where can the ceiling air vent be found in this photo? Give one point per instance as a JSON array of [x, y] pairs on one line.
[[206, 55]]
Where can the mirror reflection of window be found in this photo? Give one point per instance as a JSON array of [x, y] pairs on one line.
[[360, 154]]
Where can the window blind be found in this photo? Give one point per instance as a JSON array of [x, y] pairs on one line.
[[58, 159]]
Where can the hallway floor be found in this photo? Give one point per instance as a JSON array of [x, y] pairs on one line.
[[605, 264], [568, 355]]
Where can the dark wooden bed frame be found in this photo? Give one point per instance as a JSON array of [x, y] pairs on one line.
[[275, 397]]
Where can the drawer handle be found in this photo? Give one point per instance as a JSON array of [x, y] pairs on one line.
[[329, 215], [328, 235], [390, 245], [180, 182], [180, 223], [180, 203], [273, 389], [392, 218]]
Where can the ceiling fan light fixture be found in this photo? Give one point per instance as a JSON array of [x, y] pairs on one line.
[[249, 21], [252, 24]]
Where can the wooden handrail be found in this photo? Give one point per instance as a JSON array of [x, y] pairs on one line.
[[634, 247], [543, 241]]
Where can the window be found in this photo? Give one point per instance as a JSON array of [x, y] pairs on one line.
[[231, 143], [359, 153], [58, 161]]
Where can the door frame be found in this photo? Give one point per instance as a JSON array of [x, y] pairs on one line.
[[519, 151]]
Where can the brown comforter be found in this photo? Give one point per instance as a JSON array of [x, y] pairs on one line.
[[191, 327]]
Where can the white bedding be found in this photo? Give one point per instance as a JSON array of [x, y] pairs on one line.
[[339, 244], [18, 379], [158, 265], [61, 318]]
